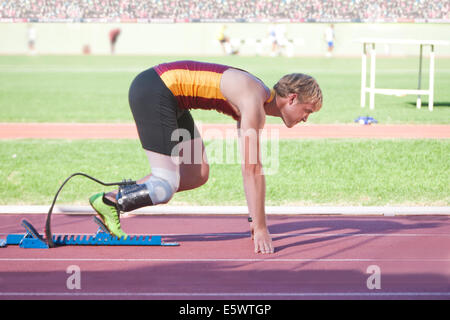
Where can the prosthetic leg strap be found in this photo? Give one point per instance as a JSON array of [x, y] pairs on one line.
[[133, 197]]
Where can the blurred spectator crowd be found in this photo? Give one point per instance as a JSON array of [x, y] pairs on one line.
[[238, 10]]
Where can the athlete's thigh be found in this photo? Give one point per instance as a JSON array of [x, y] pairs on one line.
[[193, 163], [154, 109]]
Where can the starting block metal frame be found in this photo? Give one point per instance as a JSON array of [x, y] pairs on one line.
[[33, 240]]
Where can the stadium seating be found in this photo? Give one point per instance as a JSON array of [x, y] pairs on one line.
[[226, 10]]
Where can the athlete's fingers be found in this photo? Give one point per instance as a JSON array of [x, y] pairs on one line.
[[269, 248], [259, 247], [263, 242], [256, 247], [263, 247], [266, 248]]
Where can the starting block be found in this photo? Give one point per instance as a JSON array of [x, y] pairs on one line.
[[33, 240]]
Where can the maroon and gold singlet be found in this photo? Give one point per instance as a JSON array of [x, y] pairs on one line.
[[196, 85]]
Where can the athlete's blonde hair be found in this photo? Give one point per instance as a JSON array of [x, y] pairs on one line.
[[305, 86]]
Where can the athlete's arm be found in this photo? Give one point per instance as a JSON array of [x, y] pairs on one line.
[[254, 180], [248, 94]]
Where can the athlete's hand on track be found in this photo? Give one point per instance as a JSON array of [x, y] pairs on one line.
[[262, 240]]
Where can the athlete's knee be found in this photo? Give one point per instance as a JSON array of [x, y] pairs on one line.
[[196, 177], [162, 185], [158, 189], [204, 175]]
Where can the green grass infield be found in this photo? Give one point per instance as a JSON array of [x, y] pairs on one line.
[[306, 172], [95, 89]]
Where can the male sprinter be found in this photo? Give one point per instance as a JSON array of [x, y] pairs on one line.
[[160, 99]]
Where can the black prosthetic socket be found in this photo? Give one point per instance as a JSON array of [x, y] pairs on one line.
[[108, 202], [132, 197]]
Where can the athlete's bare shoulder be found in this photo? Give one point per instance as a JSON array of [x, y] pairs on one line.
[[240, 87]]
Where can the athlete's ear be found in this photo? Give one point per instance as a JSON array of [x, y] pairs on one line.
[[292, 98]]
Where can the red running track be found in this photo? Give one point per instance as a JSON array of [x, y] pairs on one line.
[[317, 257], [224, 131]]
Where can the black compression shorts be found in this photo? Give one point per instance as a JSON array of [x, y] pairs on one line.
[[156, 113]]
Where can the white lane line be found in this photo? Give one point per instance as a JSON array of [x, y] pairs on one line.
[[271, 260], [226, 294]]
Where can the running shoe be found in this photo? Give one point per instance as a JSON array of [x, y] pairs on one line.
[[107, 211]]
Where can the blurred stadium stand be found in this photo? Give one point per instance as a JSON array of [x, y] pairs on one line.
[[224, 11]]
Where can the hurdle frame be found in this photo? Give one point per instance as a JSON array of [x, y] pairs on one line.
[[372, 42]]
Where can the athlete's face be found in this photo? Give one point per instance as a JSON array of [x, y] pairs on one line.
[[293, 112]]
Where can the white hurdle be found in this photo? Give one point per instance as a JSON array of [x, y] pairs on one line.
[[419, 92]]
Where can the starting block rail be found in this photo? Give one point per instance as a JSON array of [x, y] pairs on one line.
[[33, 240]]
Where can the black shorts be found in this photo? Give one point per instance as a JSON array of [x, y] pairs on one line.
[[157, 115]]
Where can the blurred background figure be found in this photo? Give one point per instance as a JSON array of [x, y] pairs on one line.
[[277, 36], [31, 35], [272, 39], [329, 39], [225, 42], [223, 39], [86, 49], [113, 35]]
